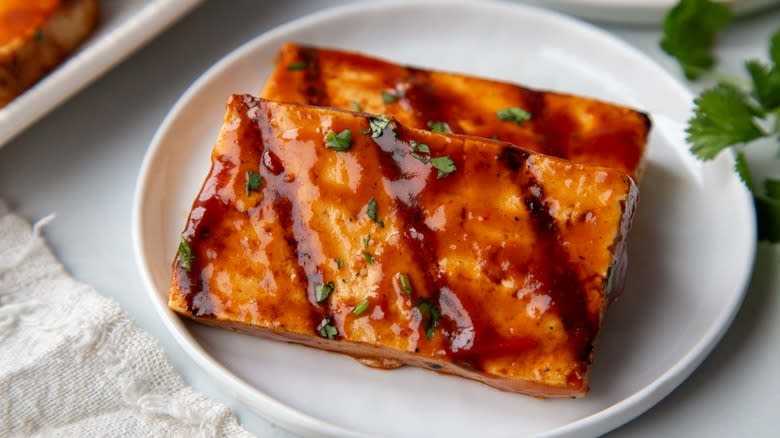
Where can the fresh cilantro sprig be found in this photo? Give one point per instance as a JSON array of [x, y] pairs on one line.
[[728, 116], [689, 33]]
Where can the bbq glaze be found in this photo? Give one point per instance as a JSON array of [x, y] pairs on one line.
[[513, 248], [572, 127]]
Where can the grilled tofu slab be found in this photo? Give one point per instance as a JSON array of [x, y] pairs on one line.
[[356, 234], [36, 36], [577, 128]]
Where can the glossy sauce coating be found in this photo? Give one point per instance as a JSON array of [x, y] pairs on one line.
[[20, 19], [572, 127], [512, 249]]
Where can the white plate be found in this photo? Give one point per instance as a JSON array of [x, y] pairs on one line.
[[125, 25], [691, 248], [636, 11]]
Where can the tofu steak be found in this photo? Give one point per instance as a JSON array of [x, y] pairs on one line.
[[572, 127], [356, 234]]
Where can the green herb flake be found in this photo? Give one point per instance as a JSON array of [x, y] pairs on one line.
[[296, 66], [339, 142], [339, 262], [366, 241], [323, 291], [38, 35], [254, 181], [361, 307], [431, 313], [369, 258], [420, 151], [389, 97], [406, 285], [377, 126], [185, 254], [372, 214], [444, 165], [435, 126], [327, 330], [689, 33], [356, 106], [513, 114]]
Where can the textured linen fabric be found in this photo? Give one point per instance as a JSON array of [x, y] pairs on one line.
[[73, 364]]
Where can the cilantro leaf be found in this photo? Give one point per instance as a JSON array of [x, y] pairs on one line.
[[185, 254], [766, 84], [356, 106], [366, 241], [371, 210], [361, 307], [689, 33], [377, 126], [323, 291], [741, 166], [254, 181], [513, 114], [774, 48], [369, 258], [444, 165], [339, 262], [296, 66], [339, 142], [723, 117]]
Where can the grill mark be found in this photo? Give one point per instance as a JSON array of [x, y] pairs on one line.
[[282, 193], [426, 105], [313, 86], [553, 266], [410, 215]]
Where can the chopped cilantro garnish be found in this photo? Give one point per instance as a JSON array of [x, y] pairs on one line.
[[361, 307], [389, 97], [420, 151], [371, 210], [339, 142], [323, 291], [366, 241], [513, 114], [38, 35], [296, 66], [254, 181], [356, 106], [435, 126], [326, 329], [185, 254], [369, 258], [444, 165], [431, 313], [339, 262], [377, 126], [406, 285]]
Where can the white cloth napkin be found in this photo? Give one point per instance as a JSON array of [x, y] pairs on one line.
[[73, 364]]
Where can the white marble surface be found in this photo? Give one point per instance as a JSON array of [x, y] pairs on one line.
[[82, 160]]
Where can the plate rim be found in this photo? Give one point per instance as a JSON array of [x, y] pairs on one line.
[[294, 419]]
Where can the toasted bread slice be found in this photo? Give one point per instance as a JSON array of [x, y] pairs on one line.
[[36, 36], [577, 128], [454, 253]]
